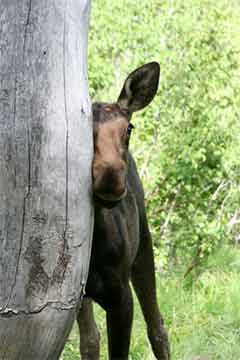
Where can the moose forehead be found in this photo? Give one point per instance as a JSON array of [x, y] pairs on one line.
[[109, 123], [103, 112]]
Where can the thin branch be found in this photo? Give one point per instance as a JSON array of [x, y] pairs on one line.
[[170, 212]]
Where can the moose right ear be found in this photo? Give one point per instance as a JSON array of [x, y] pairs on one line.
[[139, 88]]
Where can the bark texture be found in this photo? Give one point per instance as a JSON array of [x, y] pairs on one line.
[[46, 215]]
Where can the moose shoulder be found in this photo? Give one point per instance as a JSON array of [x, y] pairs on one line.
[[122, 246]]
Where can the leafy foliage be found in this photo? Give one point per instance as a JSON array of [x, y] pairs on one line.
[[187, 142]]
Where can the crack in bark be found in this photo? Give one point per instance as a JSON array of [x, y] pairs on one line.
[[28, 194], [26, 197], [57, 305], [14, 127], [67, 128], [26, 26]]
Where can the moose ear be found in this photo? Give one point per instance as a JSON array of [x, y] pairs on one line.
[[139, 88]]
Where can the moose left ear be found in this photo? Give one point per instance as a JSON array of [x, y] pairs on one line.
[[140, 88]]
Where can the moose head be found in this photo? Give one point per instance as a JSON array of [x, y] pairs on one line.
[[112, 130]]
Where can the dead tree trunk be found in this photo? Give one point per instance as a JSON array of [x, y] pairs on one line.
[[46, 213]]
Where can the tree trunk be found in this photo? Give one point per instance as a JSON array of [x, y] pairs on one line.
[[46, 215]]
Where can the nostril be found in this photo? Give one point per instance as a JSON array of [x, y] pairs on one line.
[[109, 182], [108, 190], [96, 170]]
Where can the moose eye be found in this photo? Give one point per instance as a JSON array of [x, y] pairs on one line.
[[129, 129]]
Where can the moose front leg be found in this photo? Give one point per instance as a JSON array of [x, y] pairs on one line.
[[144, 283], [119, 326], [89, 334]]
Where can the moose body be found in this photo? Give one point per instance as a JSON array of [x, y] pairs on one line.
[[122, 246]]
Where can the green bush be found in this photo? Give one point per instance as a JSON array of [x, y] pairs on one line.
[[187, 142]]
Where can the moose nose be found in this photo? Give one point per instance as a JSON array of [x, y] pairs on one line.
[[109, 182]]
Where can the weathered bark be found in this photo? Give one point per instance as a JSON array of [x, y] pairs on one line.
[[45, 173]]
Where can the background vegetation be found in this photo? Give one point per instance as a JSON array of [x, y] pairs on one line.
[[187, 145]]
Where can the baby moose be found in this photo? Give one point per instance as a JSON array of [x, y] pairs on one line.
[[122, 246]]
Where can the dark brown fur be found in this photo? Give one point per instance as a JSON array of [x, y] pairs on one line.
[[122, 246]]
